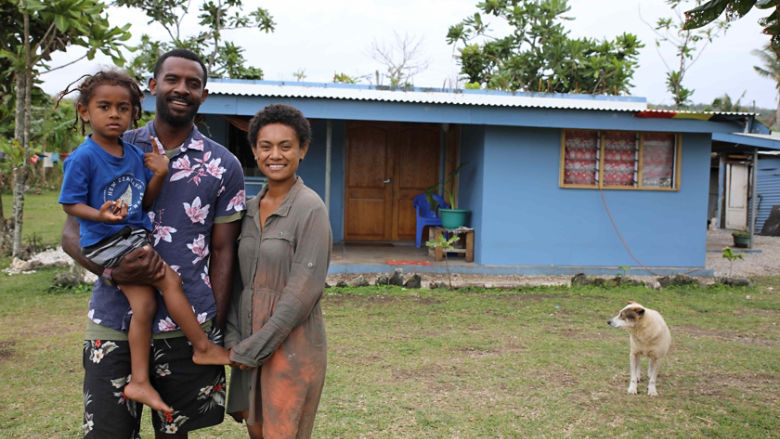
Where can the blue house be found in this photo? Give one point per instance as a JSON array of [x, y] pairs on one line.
[[555, 183]]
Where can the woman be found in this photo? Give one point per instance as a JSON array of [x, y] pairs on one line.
[[274, 329]]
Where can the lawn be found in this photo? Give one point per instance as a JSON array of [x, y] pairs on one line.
[[526, 362], [43, 218]]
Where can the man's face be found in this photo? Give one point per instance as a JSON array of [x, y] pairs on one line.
[[179, 90]]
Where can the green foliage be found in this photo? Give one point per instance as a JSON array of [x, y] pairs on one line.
[[688, 45], [732, 10], [730, 256], [343, 78], [450, 189], [446, 244], [538, 54], [222, 57]]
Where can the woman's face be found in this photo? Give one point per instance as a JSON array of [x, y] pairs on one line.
[[278, 152]]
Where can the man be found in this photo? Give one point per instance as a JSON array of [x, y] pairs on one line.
[[196, 220]]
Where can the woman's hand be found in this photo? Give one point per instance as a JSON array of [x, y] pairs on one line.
[[233, 363]]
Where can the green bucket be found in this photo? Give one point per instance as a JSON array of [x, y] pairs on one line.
[[453, 218]]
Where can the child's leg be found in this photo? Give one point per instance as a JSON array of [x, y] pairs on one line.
[[142, 302], [204, 351]]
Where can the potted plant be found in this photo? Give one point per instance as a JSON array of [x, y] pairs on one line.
[[741, 238], [452, 217]]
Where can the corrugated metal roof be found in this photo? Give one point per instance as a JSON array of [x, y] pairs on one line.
[[425, 95], [485, 98]]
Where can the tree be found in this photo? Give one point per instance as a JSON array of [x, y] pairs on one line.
[[401, 60], [771, 70], [222, 58], [538, 54], [32, 31], [735, 9], [688, 44]]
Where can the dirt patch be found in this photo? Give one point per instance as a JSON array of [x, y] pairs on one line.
[[696, 332], [6, 350]]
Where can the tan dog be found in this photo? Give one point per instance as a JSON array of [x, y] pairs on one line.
[[649, 336]]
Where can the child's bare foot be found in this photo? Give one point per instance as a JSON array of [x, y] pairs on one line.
[[213, 354], [145, 394]]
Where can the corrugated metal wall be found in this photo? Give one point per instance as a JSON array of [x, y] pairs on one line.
[[767, 188]]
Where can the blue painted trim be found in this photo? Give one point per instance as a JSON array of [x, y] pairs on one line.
[[525, 270], [740, 139]]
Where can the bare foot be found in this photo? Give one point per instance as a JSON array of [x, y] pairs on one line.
[[213, 354], [145, 394]]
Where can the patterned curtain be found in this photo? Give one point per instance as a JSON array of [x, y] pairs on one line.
[[620, 158], [658, 160], [581, 157]]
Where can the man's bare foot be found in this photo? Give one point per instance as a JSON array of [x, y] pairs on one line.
[[213, 354], [145, 394]]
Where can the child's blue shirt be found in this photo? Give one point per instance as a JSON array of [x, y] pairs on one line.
[[93, 176]]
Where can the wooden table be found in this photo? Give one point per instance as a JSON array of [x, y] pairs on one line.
[[466, 235]]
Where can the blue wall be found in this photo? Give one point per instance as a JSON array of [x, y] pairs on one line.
[[767, 188], [527, 219]]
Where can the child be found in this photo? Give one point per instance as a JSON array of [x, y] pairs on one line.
[[106, 183]]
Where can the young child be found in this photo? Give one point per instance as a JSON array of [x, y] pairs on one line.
[[106, 184]]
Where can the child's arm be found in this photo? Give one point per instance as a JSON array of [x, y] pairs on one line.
[[110, 212], [157, 162]]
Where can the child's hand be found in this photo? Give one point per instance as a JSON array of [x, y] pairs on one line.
[[112, 211], [157, 161]]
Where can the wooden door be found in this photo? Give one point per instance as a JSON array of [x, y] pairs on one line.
[[388, 164]]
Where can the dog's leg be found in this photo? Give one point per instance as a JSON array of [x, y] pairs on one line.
[[634, 366], [652, 373]]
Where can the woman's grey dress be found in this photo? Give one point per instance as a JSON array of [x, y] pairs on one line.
[[275, 321]]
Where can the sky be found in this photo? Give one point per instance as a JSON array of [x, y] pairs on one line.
[[320, 38]]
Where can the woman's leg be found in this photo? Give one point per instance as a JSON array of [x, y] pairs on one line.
[[142, 302], [204, 351]]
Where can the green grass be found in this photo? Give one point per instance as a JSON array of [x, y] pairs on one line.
[[43, 219], [528, 362]]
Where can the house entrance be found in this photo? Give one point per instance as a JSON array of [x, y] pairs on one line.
[[388, 164], [736, 195]]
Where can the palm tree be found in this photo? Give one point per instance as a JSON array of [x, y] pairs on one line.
[[771, 70]]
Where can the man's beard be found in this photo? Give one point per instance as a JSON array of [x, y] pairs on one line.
[[177, 120]]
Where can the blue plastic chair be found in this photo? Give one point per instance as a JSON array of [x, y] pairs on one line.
[[425, 215]]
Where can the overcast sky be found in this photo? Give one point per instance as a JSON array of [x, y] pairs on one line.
[[321, 38]]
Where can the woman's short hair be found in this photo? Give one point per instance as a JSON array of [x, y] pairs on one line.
[[283, 114]]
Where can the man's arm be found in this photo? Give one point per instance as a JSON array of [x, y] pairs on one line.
[[140, 266], [71, 245], [223, 247]]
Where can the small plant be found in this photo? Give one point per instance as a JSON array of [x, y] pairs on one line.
[[625, 268], [729, 254], [446, 244], [449, 189], [740, 233]]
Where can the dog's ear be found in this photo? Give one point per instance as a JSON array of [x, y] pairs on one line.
[[640, 311], [631, 302]]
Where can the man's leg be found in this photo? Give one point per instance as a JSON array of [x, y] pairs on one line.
[[195, 392], [107, 413]]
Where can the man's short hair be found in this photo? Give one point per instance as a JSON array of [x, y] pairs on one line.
[[180, 53]]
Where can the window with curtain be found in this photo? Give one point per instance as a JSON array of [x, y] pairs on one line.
[[619, 160]]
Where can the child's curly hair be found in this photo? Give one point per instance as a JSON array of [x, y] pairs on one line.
[[104, 77]]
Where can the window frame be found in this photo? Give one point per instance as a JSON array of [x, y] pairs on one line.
[[600, 171]]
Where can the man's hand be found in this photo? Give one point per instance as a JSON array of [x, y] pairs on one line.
[[142, 266]]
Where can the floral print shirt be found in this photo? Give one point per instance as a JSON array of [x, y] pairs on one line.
[[205, 183]]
